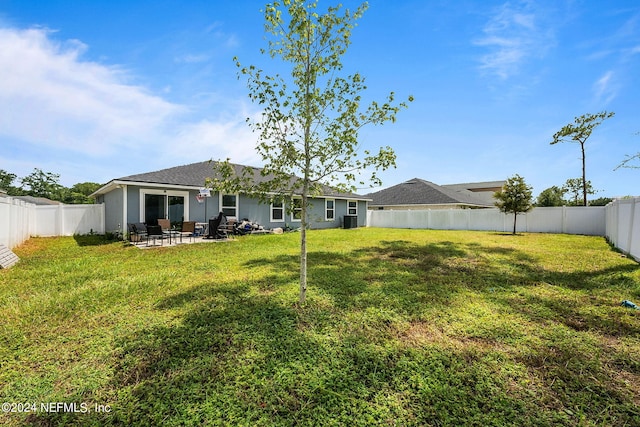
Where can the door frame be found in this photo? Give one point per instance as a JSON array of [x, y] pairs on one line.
[[166, 193]]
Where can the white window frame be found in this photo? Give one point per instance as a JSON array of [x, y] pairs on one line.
[[327, 209], [145, 191], [281, 207], [355, 212], [295, 200], [236, 207]]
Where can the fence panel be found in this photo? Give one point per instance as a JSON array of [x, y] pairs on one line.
[[574, 220], [590, 220], [67, 220], [546, 220], [20, 220], [48, 220], [16, 221], [623, 226], [487, 220]]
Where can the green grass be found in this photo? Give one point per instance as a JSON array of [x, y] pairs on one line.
[[401, 327]]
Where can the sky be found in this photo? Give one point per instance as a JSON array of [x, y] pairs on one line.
[[98, 90]]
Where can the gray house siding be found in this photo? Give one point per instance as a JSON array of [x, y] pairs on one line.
[[130, 194], [112, 210], [248, 208]]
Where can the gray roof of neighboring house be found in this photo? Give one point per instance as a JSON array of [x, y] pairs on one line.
[[420, 192], [40, 201], [195, 174], [478, 186]]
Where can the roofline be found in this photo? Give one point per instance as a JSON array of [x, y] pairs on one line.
[[433, 204], [111, 185], [118, 182]]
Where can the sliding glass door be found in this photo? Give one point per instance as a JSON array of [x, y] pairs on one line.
[[176, 210], [154, 208], [159, 204]]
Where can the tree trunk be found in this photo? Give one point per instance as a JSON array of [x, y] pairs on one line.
[[515, 217], [303, 246], [584, 176]]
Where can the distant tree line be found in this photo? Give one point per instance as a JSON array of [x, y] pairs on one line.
[[46, 184], [569, 195]]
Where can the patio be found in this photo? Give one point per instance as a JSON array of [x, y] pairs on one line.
[[176, 241]]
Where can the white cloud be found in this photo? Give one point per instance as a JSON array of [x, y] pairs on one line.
[[56, 102], [192, 58], [511, 37], [215, 140], [605, 89]]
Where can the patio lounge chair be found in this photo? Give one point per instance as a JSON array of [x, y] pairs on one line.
[[155, 232], [133, 235], [137, 232], [165, 224], [188, 230]]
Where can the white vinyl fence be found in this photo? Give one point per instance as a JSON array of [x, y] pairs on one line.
[[569, 220], [623, 226], [17, 221], [20, 220]]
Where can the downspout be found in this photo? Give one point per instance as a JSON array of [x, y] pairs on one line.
[[125, 218]]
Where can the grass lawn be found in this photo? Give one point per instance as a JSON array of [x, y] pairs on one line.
[[401, 327]]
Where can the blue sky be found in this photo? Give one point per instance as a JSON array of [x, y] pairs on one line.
[[102, 89]]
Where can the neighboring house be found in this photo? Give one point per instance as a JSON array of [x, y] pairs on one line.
[[482, 190], [174, 193], [420, 194], [38, 201]]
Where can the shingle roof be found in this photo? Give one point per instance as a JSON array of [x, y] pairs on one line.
[[192, 175], [195, 174], [420, 192], [39, 201], [475, 185]]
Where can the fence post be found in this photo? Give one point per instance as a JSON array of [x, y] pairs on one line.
[[631, 223]]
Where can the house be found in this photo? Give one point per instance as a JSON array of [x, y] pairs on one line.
[[38, 201], [482, 190], [420, 194], [175, 193]]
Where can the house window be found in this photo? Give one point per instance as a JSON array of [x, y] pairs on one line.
[[277, 211], [329, 209], [229, 204], [296, 210], [352, 207]]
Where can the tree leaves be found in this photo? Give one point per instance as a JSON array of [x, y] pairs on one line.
[[311, 118]]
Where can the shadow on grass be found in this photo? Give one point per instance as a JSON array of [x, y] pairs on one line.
[[94, 239], [238, 355]]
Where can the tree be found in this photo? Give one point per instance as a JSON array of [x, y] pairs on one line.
[[79, 193], [515, 198], [601, 201], [311, 119], [552, 196], [575, 186], [43, 184], [6, 183], [579, 132], [627, 163]]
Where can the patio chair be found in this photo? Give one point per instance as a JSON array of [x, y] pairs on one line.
[[231, 225], [164, 223], [137, 232], [188, 230], [155, 232], [141, 229], [217, 227], [133, 236]]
